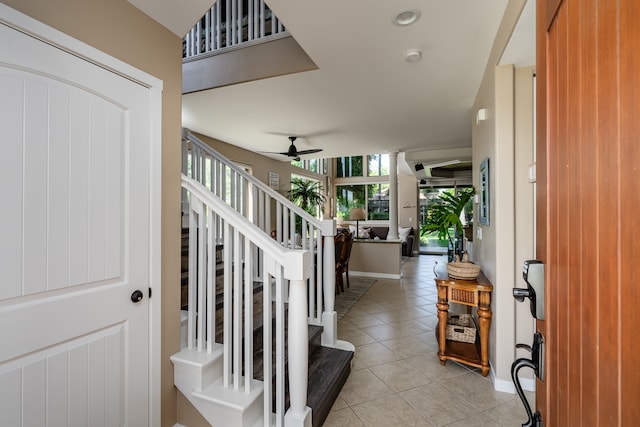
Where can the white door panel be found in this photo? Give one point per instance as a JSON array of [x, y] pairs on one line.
[[74, 239]]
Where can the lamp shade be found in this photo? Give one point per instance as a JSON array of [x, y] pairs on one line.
[[357, 214]]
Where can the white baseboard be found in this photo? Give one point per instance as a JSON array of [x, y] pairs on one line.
[[376, 275], [507, 386]]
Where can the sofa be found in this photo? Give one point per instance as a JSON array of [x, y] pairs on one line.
[[406, 235]]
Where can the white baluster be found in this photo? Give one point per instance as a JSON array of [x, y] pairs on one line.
[[211, 281], [202, 256], [267, 341], [227, 310], [248, 317], [237, 309], [279, 345]]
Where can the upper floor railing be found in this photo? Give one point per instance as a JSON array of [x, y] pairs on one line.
[[230, 23]]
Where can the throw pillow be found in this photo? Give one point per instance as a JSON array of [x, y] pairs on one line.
[[363, 233], [403, 233]]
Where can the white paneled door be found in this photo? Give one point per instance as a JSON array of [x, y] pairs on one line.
[[74, 240]]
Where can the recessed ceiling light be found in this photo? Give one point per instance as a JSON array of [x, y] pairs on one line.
[[412, 55], [406, 17]]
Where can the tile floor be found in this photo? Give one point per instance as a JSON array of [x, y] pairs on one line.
[[397, 379]]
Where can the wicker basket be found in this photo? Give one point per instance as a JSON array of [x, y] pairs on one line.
[[461, 327], [463, 270]]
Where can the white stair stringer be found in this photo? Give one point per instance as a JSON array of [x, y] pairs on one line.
[[198, 376]]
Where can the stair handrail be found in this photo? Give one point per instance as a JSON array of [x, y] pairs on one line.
[[321, 304], [263, 241], [261, 185], [283, 264]]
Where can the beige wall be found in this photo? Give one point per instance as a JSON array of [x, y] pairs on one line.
[[495, 138], [122, 31], [376, 259], [524, 201]]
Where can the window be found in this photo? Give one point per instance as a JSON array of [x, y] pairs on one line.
[[349, 166], [318, 166], [373, 197], [347, 197], [378, 201], [378, 165]]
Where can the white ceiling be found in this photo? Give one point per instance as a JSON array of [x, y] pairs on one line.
[[364, 97]]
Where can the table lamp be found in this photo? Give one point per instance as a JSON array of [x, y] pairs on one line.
[[357, 214]]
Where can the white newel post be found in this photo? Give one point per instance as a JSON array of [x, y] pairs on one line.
[[297, 269], [329, 316]]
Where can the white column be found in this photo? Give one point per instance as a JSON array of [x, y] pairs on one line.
[[393, 196]]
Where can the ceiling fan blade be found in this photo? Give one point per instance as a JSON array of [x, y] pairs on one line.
[[311, 151]]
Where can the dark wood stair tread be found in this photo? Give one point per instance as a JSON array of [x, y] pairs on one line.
[[329, 369]]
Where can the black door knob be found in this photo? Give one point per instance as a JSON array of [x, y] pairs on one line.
[[137, 296]]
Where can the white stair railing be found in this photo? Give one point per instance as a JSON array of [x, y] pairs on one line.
[[255, 200], [285, 272], [230, 23]]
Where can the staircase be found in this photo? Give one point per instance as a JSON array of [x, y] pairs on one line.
[[259, 345]]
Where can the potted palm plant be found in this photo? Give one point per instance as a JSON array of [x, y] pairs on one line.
[[443, 217], [307, 194]]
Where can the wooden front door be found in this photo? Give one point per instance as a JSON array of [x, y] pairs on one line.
[[74, 239], [588, 203]]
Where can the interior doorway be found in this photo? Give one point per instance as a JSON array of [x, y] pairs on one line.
[[431, 243]]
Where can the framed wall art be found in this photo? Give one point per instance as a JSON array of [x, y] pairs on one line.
[[483, 207]]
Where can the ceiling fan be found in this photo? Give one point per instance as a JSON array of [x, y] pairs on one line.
[[293, 151]]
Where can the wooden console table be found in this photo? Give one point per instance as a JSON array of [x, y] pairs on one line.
[[472, 293]]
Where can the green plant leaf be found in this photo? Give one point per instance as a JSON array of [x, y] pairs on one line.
[[444, 212]]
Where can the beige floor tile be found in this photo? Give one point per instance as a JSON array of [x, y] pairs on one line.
[[363, 320], [397, 330], [406, 313], [437, 404], [370, 307], [383, 332], [412, 345], [343, 418], [511, 413], [339, 404], [355, 336], [400, 375], [477, 390], [363, 386], [374, 354], [480, 420], [431, 321], [390, 411], [346, 325], [429, 364]]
